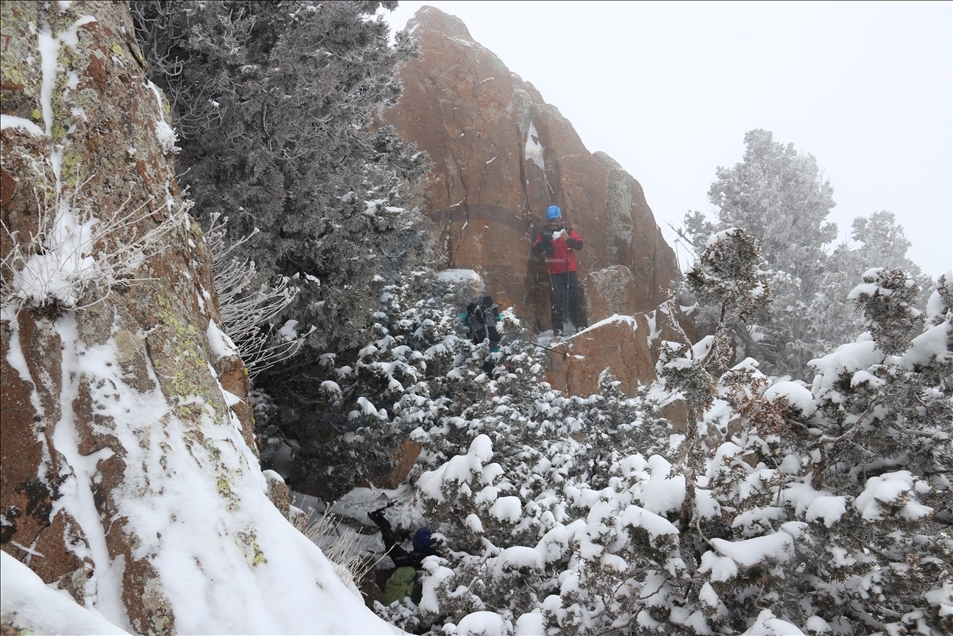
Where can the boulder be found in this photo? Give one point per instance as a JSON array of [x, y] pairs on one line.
[[618, 343], [391, 474], [278, 493], [628, 346], [501, 155], [610, 291]]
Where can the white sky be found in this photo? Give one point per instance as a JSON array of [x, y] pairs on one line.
[[669, 89]]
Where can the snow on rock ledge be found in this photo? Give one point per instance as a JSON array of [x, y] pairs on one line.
[[26, 603]]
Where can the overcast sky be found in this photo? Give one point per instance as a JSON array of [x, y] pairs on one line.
[[669, 89]]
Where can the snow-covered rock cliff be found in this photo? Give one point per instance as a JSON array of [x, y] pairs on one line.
[[130, 481]]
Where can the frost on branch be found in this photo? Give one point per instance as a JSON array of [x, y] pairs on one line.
[[247, 304], [77, 256]]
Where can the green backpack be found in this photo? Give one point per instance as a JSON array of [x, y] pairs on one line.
[[399, 585]]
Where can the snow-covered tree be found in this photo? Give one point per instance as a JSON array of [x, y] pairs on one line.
[[877, 241], [779, 195], [884, 450], [274, 104], [728, 274]]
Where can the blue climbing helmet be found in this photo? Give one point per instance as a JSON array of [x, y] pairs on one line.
[[553, 212], [423, 542]]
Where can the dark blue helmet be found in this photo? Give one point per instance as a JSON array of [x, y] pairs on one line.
[[423, 542]]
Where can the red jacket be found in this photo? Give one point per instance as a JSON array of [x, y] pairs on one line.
[[561, 258]]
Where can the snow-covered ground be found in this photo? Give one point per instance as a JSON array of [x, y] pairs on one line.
[[27, 602]]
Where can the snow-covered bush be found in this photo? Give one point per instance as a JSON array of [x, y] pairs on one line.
[[370, 398], [784, 506], [586, 515], [884, 447], [888, 299]]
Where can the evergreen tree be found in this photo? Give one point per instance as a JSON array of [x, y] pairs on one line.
[[886, 402], [273, 101], [779, 196]]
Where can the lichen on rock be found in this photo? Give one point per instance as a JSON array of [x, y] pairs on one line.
[[129, 465]]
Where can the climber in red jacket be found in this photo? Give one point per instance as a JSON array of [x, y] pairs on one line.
[[558, 243]]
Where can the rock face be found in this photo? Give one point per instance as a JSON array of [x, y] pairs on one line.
[[626, 345], [129, 476], [501, 156]]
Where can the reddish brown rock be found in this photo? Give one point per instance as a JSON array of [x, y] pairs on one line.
[[233, 376], [391, 475], [620, 344], [406, 455], [59, 434], [501, 156], [611, 291], [625, 345]]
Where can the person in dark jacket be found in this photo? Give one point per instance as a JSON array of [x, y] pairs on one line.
[[481, 319], [403, 582], [558, 244]]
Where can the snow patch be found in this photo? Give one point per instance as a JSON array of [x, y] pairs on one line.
[[795, 394], [219, 342], [27, 603], [750, 552], [891, 489], [482, 623], [767, 624], [166, 137], [533, 151], [27, 126], [718, 237]]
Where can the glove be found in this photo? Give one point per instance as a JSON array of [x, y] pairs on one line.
[[560, 234], [379, 519], [546, 245]]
